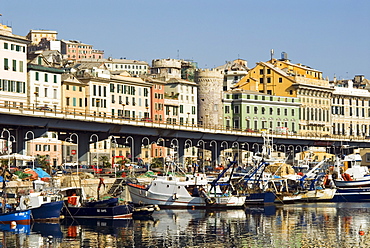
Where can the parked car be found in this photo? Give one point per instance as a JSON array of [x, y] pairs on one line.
[[147, 119], [44, 108]]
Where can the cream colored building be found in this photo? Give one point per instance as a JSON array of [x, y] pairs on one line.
[[13, 68], [350, 110]]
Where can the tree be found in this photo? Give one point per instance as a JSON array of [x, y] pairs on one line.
[[157, 163], [44, 161], [105, 161]]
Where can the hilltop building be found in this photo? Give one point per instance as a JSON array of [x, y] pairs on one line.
[[45, 84], [134, 67], [280, 77], [254, 111], [13, 68], [233, 71]]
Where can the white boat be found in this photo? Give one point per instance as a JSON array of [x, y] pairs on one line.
[[354, 174], [191, 191]]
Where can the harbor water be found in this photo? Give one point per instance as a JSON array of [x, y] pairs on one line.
[[289, 225]]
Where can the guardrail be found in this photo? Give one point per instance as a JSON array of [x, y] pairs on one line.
[[92, 116]]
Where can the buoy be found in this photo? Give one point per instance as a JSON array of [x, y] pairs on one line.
[[13, 225], [193, 207], [361, 233]]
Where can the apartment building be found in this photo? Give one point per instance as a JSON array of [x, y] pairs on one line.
[[254, 111], [134, 67], [280, 77], [350, 110], [45, 83], [13, 68]]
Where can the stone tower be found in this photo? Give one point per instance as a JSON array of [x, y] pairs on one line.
[[210, 106]]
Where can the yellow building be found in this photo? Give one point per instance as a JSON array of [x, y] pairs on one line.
[[73, 95], [280, 77]]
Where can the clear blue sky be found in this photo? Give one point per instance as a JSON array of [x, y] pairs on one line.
[[332, 36]]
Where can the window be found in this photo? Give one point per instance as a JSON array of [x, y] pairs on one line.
[[6, 45], [261, 71], [236, 109], [280, 80], [46, 77], [6, 64], [55, 79], [14, 65], [20, 66], [227, 109]]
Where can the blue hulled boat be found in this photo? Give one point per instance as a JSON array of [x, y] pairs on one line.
[[48, 211], [77, 207], [43, 206], [352, 195], [260, 198], [115, 212], [19, 216]]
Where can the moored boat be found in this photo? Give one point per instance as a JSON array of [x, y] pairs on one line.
[[43, 206], [190, 191], [75, 207], [17, 216], [361, 194]]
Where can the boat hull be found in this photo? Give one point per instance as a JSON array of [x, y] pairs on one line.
[[352, 195], [354, 183], [260, 198], [115, 212], [142, 196], [48, 211], [19, 216]]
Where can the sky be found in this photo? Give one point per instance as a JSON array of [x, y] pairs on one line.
[[332, 36]]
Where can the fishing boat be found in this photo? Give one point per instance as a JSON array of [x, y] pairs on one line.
[[44, 206], [18, 216], [354, 175], [8, 214], [76, 206], [188, 191], [361, 194]]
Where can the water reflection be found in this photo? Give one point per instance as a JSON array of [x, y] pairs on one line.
[[298, 225]]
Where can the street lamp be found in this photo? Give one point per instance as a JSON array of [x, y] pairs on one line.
[[248, 152], [131, 148], [210, 144], [254, 147], [149, 147], [198, 144], [32, 147], [227, 147], [236, 144], [113, 140], [163, 145], [8, 148], [177, 149], [97, 153], [70, 138]]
